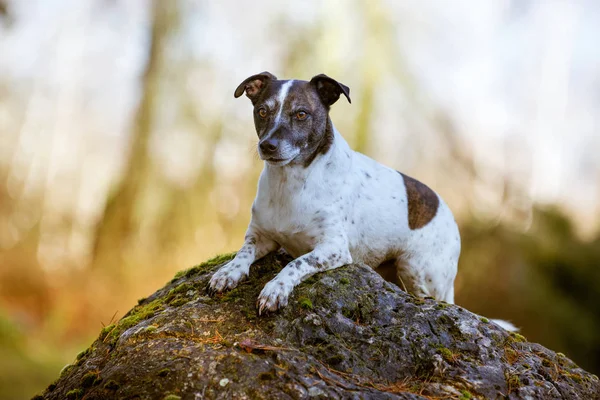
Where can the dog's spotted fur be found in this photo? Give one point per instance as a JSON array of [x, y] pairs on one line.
[[328, 206]]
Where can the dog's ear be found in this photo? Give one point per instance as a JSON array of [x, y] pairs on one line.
[[329, 89], [254, 85]]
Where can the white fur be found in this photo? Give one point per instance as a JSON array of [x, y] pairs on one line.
[[281, 97], [506, 325]]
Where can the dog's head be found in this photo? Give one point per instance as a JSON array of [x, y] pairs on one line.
[[291, 116]]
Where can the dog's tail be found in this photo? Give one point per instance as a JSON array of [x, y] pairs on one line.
[[506, 325]]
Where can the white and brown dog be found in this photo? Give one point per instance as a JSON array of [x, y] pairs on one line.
[[328, 206]]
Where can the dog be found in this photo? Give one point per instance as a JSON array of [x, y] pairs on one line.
[[328, 206]]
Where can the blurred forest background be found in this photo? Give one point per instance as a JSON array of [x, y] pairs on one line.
[[124, 156]]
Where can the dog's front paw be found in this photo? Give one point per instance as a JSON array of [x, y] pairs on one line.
[[273, 296], [227, 277]]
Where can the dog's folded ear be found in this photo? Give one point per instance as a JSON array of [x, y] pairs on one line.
[[329, 89], [254, 85]]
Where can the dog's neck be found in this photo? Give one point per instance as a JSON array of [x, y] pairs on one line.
[[336, 159]]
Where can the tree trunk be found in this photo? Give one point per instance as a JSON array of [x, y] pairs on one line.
[[118, 228]]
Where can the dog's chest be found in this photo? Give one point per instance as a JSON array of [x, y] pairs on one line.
[[291, 213]]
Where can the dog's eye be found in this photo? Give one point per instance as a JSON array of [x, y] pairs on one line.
[[262, 112], [301, 115]]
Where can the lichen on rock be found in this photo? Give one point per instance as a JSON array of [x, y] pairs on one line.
[[346, 333]]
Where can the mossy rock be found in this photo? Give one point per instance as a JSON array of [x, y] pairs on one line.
[[346, 333]]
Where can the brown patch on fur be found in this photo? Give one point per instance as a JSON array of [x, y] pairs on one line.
[[423, 203]]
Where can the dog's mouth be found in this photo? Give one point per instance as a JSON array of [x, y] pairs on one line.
[[278, 161]]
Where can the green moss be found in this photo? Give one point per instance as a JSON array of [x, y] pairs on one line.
[[447, 354], [547, 363], [82, 354], [514, 381], [348, 312], [344, 281], [396, 333], [178, 302], [66, 369], [181, 289], [576, 377], [306, 303], [484, 320], [150, 329], [74, 394], [90, 379], [418, 301], [366, 306], [360, 311], [172, 397], [515, 337], [234, 295], [510, 355], [105, 331], [497, 338], [441, 306], [465, 395], [135, 316], [250, 315], [205, 266], [111, 385], [416, 387], [562, 359]]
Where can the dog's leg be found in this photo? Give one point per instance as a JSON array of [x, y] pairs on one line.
[[228, 276], [324, 257], [428, 276]]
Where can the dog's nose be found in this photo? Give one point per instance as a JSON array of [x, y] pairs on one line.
[[269, 146]]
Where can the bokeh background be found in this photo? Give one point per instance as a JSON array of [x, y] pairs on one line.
[[124, 156]]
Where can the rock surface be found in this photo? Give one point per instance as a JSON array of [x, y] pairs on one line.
[[346, 333]]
